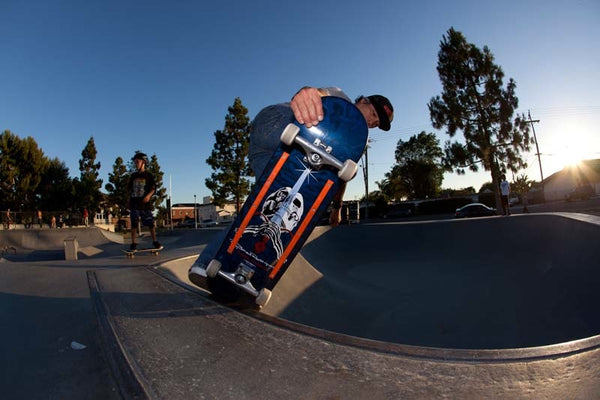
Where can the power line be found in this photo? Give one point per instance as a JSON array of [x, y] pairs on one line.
[[560, 112]]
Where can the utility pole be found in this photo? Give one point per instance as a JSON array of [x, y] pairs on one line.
[[366, 174], [169, 204], [537, 148]]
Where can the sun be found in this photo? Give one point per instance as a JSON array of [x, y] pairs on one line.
[[571, 156]]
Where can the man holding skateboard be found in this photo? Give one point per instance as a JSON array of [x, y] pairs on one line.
[[141, 188], [306, 108]]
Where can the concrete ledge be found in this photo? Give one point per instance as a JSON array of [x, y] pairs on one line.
[[71, 248]]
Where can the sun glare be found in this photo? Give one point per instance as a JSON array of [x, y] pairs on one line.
[[571, 156]]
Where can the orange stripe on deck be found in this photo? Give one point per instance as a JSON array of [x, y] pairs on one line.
[[257, 201], [303, 226]]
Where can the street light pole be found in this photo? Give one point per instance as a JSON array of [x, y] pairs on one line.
[[366, 176], [195, 219], [170, 203]]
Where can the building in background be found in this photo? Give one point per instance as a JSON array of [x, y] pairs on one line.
[[575, 182], [205, 212]]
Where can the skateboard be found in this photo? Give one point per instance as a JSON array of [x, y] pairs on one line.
[[151, 250], [295, 189]]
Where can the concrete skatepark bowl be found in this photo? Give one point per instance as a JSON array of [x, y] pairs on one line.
[[496, 283], [484, 308]]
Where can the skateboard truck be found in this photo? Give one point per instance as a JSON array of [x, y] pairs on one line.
[[243, 274], [318, 153], [241, 278]]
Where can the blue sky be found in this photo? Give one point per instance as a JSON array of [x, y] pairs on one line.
[[158, 76]]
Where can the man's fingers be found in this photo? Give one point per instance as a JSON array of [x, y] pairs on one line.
[[299, 112], [307, 107]]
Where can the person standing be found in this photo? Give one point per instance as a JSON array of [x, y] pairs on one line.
[[8, 219], [85, 216], [141, 189], [505, 192]]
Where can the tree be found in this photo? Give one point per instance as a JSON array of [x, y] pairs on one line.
[[21, 166], [487, 186], [418, 172], [229, 158], [87, 186], [462, 192], [475, 101], [521, 185], [55, 191], [117, 189], [376, 204], [161, 192]]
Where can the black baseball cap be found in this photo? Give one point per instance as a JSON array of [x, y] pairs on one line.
[[384, 109], [140, 156]]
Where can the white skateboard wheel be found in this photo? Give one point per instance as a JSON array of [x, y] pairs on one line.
[[263, 297], [289, 134], [348, 170], [212, 269]]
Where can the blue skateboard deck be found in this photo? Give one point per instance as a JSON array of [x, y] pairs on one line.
[[294, 191]]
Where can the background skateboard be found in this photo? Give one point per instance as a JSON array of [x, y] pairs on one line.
[[151, 250], [294, 190]]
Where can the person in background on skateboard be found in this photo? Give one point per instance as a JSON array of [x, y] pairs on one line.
[[307, 108], [141, 188]]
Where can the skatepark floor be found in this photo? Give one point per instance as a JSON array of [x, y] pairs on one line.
[[486, 308]]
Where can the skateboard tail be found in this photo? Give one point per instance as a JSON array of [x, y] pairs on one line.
[[305, 223]]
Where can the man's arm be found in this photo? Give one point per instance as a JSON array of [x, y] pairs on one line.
[[152, 190], [149, 195], [336, 206]]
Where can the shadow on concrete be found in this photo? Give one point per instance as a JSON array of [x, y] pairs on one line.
[[478, 284], [37, 358]]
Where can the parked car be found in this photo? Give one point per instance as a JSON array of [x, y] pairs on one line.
[[188, 223], [400, 211], [207, 223], [474, 210]]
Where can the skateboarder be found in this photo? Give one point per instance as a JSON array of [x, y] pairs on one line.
[[306, 108], [141, 188]]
